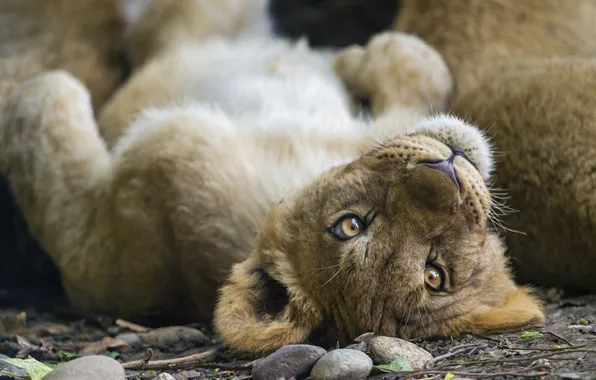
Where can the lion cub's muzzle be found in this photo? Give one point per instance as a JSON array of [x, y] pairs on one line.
[[445, 166], [462, 139]]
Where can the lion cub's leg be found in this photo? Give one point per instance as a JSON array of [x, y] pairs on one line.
[[157, 45], [94, 218], [404, 77]]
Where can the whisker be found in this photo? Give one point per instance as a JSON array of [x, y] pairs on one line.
[[333, 266], [332, 277]]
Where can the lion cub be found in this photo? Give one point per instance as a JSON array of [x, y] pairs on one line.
[[232, 154]]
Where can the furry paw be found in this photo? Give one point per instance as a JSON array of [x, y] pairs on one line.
[[39, 99], [396, 70]]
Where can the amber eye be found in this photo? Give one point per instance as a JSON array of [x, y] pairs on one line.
[[434, 277], [347, 227]]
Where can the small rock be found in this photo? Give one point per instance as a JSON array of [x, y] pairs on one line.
[[342, 364], [385, 349], [365, 338], [174, 338], [165, 376], [3, 357], [114, 330], [288, 362], [130, 338], [88, 368], [358, 346]]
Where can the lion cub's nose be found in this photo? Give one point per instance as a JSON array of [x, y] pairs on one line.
[[445, 166]]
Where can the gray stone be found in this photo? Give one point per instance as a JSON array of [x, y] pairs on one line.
[[342, 364], [174, 338], [130, 338], [3, 357], [88, 368], [165, 376], [288, 362], [384, 350]]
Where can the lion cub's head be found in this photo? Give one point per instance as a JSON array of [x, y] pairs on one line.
[[395, 242]]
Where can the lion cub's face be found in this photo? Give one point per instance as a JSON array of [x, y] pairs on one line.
[[395, 242]]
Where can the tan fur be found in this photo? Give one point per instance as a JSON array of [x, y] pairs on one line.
[[152, 226], [83, 37], [524, 71]]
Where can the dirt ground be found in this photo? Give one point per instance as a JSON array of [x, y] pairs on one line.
[[563, 348]]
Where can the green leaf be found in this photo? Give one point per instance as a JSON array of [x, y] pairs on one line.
[[113, 354], [583, 321], [152, 372], [530, 335], [398, 365], [449, 376], [34, 370], [67, 356]]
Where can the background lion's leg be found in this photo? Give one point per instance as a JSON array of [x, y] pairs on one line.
[[156, 46], [83, 37], [542, 116]]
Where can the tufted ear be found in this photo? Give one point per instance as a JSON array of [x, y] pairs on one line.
[[256, 312], [521, 309]]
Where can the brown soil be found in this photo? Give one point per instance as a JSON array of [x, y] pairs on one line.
[[563, 348]]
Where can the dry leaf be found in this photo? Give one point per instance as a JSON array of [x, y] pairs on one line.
[[103, 346], [48, 329], [132, 326]]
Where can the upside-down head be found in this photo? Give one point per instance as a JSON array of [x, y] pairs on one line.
[[395, 242]]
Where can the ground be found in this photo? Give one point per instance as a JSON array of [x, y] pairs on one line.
[[563, 348]]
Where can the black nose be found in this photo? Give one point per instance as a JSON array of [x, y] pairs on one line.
[[445, 166]]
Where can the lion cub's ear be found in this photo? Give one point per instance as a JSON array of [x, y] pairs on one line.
[[257, 313], [520, 309]]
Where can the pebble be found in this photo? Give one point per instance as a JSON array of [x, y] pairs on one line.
[[288, 362], [3, 357], [174, 338], [165, 376], [385, 349], [130, 338], [88, 368], [342, 364]]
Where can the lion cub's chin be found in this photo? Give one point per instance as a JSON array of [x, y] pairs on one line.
[[395, 242]]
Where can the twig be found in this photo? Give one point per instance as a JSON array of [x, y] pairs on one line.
[[409, 374], [176, 363], [572, 349], [228, 367], [487, 338], [527, 358], [453, 351], [559, 337]]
